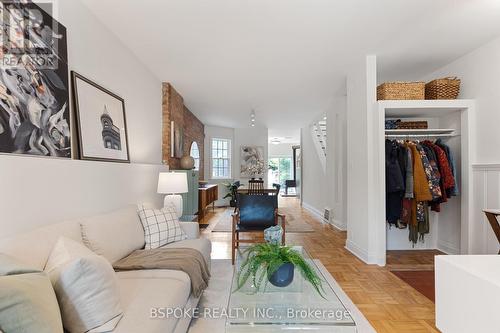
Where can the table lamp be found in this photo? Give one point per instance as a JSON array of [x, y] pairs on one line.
[[173, 184]]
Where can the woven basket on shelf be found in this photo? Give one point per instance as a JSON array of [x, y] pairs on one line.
[[445, 88], [401, 91], [412, 125]]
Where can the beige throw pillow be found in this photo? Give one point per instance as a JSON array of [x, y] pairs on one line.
[[161, 226], [85, 286], [27, 300], [114, 235]]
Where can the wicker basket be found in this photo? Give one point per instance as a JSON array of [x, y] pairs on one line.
[[445, 88], [412, 125], [401, 90]]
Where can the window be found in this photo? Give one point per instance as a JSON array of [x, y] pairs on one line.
[[221, 158], [195, 154]]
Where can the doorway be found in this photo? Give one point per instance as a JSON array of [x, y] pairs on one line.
[[280, 170]]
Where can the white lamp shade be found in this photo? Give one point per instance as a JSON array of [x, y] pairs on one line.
[[172, 183]]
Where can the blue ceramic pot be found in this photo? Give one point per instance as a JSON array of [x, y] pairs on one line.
[[283, 276]]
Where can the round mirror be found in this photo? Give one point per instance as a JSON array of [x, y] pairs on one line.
[[195, 154]]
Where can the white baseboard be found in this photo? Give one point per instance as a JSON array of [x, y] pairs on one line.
[[363, 255], [315, 212], [448, 248], [339, 225], [356, 250], [335, 223]]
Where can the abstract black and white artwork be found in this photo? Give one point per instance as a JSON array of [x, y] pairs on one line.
[[102, 127], [34, 111], [252, 161]]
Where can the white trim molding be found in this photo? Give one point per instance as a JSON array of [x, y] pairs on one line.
[[486, 196], [315, 212], [486, 167], [339, 225], [363, 255]]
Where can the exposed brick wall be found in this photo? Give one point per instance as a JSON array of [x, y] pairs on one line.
[[194, 130]]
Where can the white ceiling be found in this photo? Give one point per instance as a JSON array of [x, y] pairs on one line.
[[288, 58], [284, 135]]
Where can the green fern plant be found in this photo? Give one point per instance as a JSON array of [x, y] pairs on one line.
[[263, 260]]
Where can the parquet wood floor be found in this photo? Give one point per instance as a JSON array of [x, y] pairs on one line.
[[391, 305]]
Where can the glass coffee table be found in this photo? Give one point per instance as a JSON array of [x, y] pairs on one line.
[[297, 307]]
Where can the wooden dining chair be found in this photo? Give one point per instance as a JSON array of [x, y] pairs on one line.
[[256, 187], [492, 216]]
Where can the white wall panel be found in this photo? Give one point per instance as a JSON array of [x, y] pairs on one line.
[[486, 195]]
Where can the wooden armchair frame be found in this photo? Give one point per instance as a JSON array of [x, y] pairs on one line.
[[235, 234]]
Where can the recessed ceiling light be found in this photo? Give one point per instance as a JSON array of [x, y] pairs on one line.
[[252, 118], [275, 141]]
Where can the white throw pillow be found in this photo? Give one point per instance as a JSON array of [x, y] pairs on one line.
[[161, 226], [85, 286]]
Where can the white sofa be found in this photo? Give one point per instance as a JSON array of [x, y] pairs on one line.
[[114, 236]]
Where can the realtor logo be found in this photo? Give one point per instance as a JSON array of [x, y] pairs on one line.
[[29, 35]]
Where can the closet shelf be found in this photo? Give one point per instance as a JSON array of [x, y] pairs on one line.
[[430, 132], [423, 108]]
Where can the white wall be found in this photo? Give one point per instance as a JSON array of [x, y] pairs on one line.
[[362, 237], [281, 150], [480, 74], [212, 132], [314, 184], [327, 188], [97, 54], [36, 191], [253, 136], [479, 71], [336, 161], [249, 136]]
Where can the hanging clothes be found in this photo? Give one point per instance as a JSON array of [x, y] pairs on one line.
[[451, 162], [420, 184], [419, 177], [447, 180], [409, 174], [432, 178], [394, 182]]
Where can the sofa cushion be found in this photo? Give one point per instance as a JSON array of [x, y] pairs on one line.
[[85, 286], [33, 247], [201, 244], [161, 226], [11, 266], [28, 304], [141, 296], [114, 235]]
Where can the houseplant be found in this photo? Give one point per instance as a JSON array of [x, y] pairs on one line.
[[271, 262], [232, 191]]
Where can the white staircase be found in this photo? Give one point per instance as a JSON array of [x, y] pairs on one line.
[[319, 136]]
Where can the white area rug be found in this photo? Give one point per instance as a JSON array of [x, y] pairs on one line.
[[217, 295]]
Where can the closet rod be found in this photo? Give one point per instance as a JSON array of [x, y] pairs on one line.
[[420, 135]]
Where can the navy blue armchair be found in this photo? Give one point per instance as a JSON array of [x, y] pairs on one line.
[[254, 213]]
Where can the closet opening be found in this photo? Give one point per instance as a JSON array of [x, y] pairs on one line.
[[426, 174]]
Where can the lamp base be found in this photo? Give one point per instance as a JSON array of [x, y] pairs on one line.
[[176, 201]]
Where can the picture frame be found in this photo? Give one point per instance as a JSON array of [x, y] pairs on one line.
[[176, 140], [35, 117], [100, 122], [252, 162]]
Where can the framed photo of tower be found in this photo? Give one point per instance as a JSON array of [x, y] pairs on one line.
[[101, 122]]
